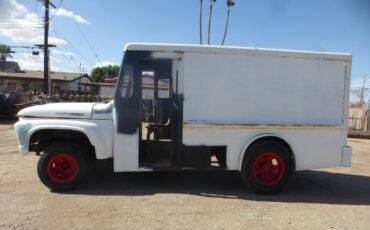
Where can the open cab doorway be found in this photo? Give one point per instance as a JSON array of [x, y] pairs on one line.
[[158, 113]]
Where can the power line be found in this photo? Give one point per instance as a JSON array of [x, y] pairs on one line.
[[30, 55], [360, 90], [56, 64], [68, 59], [60, 3], [85, 38], [59, 34], [31, 5], [87, 41]]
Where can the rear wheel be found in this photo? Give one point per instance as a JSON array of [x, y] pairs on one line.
[[267, 167], [63, 166]]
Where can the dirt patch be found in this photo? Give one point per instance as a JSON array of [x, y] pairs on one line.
[[337, 198]]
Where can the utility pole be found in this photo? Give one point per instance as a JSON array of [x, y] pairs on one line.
[[363, 91], [46, 47]]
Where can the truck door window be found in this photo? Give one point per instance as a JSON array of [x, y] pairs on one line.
[[126, 88]]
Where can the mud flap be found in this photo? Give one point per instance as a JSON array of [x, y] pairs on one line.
[[346, 156]]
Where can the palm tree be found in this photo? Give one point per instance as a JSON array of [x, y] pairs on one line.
[[229, 3], [200, 22], [210, 19]]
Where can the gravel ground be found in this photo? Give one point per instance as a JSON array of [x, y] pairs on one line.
[[338, 198]]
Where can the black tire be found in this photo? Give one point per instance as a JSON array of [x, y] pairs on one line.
[[267, 167], [63, 166]]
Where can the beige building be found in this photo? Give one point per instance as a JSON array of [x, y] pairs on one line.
[[34, 80], [359, 118], [108, 87]]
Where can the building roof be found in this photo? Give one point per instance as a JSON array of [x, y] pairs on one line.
[[236, 50], [9, 66], [111, 80], [147, 83], [97, 84], [39, 75]]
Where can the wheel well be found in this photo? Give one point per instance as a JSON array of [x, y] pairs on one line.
[[278, 140], [42, 139]]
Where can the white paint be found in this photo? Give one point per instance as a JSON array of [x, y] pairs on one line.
[[125, 150], [103, 111], [313, 147], [23, 150], [235, 50], [99, 132], [245, 89], [301, 97], [59, 110]]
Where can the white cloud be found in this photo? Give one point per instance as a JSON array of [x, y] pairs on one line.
[[20, 25], [58, 52], [26, 28], [10, 8], [104, 63], [28, 61], [55, 60], [66, 13]]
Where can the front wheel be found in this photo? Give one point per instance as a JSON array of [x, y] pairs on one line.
[[267, 167], [62, 166]]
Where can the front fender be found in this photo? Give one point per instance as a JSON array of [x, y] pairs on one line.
[[99, 132]]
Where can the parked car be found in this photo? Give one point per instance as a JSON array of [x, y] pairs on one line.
[[7, 107]]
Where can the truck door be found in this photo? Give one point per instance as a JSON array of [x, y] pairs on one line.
[[146, 112], [157, 111], [126, 119]]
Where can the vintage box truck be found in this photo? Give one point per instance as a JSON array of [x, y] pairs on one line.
[[266, 113]]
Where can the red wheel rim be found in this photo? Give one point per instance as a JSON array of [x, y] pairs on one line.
[[268, 168], [62, 168]]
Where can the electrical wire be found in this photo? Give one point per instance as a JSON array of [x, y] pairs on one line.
[[85, 38], [65, 57], [56, 10], [87, 41], [59, 34], [70, 59]]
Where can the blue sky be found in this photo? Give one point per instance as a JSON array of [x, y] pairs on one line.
[[319, 25]]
